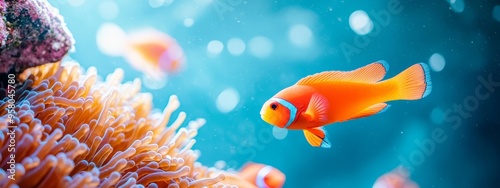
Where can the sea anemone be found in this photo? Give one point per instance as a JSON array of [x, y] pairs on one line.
[[66, 128]]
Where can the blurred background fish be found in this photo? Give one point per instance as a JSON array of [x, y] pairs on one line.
[[148, 50], [262, 176], [397, 178]]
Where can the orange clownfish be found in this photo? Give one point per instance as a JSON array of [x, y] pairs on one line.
[[154, 53], [262, 176], [337, 96], [397, 178]]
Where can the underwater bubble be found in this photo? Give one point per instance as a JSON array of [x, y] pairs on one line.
[[76, 3], [111, 39], [300, 35], [215, 47], [188, 22], [152, 83], [496, 13], [227, 100], [360, 22], [437, 62], [457, 5], [108, 9], [437, 115], [220, 164], [279, 133], [156, 3], [260, 46], [235, 46]]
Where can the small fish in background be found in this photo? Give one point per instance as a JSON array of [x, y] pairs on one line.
[[154, 53], [262, 176], [337, 96], [397, 178]]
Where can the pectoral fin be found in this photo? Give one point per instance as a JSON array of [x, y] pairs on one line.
[[317, 110], [317, 137], [374, 109]]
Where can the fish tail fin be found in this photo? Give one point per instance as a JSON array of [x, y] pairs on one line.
[[414, 82]]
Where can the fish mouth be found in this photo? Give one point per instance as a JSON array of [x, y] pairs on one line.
[[270, 120], [266, 118], [263, 115]]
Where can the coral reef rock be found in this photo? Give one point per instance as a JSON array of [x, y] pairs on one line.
[[32, 33]]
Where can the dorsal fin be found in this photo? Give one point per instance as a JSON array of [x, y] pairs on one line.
[[370, 73]]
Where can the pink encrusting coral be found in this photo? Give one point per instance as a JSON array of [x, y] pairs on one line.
[[3, 27], [74, 130], [32, 33]]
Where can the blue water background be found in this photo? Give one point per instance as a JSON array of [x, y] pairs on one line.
[[362, 149]]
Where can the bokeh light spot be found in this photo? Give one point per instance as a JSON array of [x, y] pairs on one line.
[[108, 9], [260, 46], [111, 39], [227, 100], [152, 83], [220, 164], [300, 35], [236, 46], [215, 47], [279, 133], [168, 2], [437, 62], [188, 22], [156, 3], [457, 5], [360, 23], [496, 13]]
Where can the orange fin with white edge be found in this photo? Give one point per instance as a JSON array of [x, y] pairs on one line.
[[317, 137], [317, 110], [374, 109], [370, 73], [414, 82]]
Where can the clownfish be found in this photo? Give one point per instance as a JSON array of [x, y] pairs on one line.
[[262, 176], [154, 53], [397, 178], [337, 96]]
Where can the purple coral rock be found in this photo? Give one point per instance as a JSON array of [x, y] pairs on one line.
[[32, 33], [3, 27]]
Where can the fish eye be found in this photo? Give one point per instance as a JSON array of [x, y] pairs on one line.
[[274, 106]]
